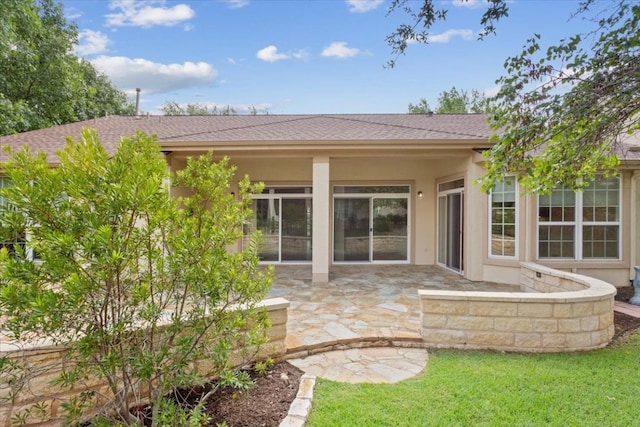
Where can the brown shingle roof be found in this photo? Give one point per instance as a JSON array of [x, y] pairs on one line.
[[185, 131]]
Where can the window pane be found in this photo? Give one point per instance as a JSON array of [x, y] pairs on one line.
[[351, 229], [390, 224], [559, 206], [556, 241], [503, 218], [266, 218], [451, 185], [600, 241], [601, 200], [296, 229]]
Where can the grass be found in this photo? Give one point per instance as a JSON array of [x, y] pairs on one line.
[[475, 388]]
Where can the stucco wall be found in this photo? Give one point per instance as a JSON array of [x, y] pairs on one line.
[[421, 174], [39, 391]]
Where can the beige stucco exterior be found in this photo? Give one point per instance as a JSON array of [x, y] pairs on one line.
[[417, 151], [423, 172]]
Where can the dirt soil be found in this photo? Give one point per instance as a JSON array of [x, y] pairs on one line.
[[267, 404]]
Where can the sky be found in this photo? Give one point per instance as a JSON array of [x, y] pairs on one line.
[[301, 56]]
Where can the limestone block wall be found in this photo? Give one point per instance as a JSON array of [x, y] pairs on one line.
[[556, 311], [44, 400]]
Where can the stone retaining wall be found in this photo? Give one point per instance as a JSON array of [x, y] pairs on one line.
[[557, 311], [40, 393]]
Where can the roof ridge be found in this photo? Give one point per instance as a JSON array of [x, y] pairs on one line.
[[298, 118], [416, 128]]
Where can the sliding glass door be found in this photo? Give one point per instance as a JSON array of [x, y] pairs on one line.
[[389, 231], [351, 224], [371, 224], [450, 225], [283, 217]]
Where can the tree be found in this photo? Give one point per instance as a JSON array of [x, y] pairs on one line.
[[456, 101], [136, 284], [421, 107], [42, 83], [561, 115], [426, 14], [172, 108]]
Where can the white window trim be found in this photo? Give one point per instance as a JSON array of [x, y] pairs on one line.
[[516, 224], [578, 224]]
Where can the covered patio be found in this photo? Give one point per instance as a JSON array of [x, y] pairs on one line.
[[362, 303]]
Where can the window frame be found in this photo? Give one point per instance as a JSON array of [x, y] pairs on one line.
[[579, 223], [277, 194], [516, 223]]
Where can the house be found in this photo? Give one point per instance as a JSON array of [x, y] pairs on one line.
[[394, 188]]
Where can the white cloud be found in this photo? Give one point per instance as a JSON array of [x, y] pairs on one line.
[[91, 43], [301, 54], [340, 50], [471, 4], [152, 77], [491, 91], [237, 4], [147, 13], [271, 54], [449, 34], [360, 6]]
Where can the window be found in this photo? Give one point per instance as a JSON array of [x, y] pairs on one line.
[[283, 215], [581, 225], [503, 207]]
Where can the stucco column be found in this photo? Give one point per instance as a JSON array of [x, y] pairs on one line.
[[635, 223], [321, 214], [475, 224]]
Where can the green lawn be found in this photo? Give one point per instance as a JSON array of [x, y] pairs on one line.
[[474, 388]]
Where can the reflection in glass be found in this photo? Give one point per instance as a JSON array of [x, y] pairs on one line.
[[351, 230], [390, 229], [296, 229]]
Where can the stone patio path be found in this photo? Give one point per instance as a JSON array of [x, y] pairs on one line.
[[363, 326]]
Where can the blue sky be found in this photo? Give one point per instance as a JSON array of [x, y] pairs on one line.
[[300, 56]]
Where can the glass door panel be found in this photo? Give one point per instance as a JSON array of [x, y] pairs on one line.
[[442, 230], [351, 224], [296, 229], [450, 230], [267, 220], [389, 236], [454, 232]]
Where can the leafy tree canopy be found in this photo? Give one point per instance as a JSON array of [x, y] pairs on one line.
[[563, 112], [42, 83], [136, 285], [455, 101]]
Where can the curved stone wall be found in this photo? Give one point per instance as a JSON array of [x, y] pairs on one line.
[[556, 311]]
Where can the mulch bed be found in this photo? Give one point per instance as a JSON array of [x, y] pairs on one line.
[[266, 405], [624, 323]]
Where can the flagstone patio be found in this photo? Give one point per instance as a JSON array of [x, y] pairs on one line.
[[362, 303]]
